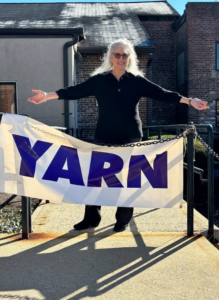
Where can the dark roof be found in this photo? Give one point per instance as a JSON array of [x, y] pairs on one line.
[[103, 22]]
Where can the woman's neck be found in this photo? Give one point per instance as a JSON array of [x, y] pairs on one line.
[[118, 73]]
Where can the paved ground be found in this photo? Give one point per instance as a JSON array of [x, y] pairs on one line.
[[60, 218], [152, 259]]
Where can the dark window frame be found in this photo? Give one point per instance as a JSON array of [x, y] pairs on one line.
[[15, 94], [217, 113], [217, 56]]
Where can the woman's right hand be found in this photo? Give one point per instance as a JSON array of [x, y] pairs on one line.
[[40, 97]]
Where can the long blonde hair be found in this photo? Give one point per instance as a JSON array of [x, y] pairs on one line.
[[107, 64]]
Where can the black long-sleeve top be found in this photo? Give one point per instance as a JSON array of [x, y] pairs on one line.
[[119, 120]]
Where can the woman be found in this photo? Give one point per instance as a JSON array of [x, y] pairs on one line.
[[118, 85]]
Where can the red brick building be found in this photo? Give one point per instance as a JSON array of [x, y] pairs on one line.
[[197, 53], [185, 59]]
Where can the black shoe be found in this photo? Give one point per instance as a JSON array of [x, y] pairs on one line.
[[91, 219], [85, 225], [120, 227]]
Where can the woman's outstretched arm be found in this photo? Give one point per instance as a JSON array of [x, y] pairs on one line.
[[78, 91], [154, 91]]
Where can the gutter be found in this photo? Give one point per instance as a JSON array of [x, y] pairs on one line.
[[66, 77], [151, 57], [19, 32]]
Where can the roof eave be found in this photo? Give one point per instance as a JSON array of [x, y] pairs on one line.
[[143, 50], [44, 31]]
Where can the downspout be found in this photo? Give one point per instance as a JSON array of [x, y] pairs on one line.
[[151, 57], [66, 78]]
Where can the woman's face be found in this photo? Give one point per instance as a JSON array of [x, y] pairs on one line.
[[122, 62]]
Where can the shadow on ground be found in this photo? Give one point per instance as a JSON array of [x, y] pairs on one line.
[[74, 267]]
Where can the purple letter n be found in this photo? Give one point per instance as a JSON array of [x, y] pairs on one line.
[[157, 176]]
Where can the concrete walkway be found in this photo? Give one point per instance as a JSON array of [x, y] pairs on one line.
[[152, 259]]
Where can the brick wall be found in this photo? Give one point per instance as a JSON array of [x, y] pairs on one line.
[[7, 92], [163, 68], [87, 109], [143, 59], [203, 32]]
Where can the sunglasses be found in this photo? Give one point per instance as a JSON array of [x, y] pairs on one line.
[[118, 55]]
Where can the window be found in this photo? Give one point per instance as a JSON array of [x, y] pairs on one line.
[[180, 68], [217, 112], [217, 56], [8, 97]]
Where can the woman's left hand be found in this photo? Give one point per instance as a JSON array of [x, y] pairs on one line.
[[199, 104]]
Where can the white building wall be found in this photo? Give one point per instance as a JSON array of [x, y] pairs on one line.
[[36, 63]]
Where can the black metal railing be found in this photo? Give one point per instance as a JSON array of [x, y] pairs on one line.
[[191, 170]]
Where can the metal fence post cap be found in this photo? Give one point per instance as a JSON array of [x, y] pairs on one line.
[[209, 127]]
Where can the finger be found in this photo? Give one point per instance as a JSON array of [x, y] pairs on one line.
[[32, 100], [202, 104], [200, 101], [198, 107], [202, 108], [205, 105], [197, 99]]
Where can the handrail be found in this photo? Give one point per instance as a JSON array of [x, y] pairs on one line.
[[191, 169], [198, 171]]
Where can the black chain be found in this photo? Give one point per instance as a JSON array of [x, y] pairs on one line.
[[192, 129], [189, 129], [145, 143], [207, 147], [141, 144]]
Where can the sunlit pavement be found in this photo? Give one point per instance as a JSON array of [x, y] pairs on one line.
[[152, 259]]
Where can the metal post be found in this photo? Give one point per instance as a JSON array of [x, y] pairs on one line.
[[210, 186], [147, 134], [25, 218], [29, 213], [159, 134], [190, 184], [76, 133], [177, 131]]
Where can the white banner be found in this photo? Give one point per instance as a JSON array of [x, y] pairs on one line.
[[38, 161]]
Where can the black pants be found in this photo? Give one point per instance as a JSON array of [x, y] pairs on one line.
[[123, 214]]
